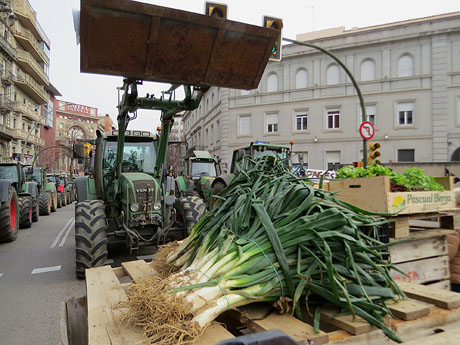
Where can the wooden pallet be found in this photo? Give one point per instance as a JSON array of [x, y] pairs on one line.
[[423, 258], [106, 287], [402, 226]]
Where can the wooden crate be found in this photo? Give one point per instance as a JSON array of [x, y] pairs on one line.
[[373, 194], [402, 225], [423, 258], [105, 289]]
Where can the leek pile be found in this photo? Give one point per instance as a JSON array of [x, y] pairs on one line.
[[271, 238]]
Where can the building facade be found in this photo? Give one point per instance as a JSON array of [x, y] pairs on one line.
[[24, 58], [74, 122], [409, 73]]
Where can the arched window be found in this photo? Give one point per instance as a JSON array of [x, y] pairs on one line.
[[406, 66], [301, 79], [333, 74], [368, 70], [272, 82]]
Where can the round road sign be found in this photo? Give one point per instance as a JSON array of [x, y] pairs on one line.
[[367, 130]]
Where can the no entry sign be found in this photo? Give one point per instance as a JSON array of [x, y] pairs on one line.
[[367, 130]]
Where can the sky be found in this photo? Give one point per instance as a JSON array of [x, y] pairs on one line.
[[299, 16]]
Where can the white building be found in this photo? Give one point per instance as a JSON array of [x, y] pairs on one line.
[[408, 71]]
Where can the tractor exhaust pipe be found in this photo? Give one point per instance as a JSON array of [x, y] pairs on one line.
[[98, 165]]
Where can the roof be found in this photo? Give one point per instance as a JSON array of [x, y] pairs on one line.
[[330, 32]]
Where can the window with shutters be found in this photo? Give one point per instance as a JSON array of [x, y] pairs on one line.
[[272, 123], [301, 79], [333, 74], [244, 125], [368, 70], [405, 114], [301, 120], [406, 155], [406, 66], [333, 118]]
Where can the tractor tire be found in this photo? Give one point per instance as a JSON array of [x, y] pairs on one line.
[[25, 212], [64, 199], [69, 198], [35, 209], [44, 204], [90, 236], [217, 189], [192, 208], [59, 200], [9, 218], [54, 201]]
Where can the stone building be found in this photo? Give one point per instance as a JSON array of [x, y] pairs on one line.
[[409, 73], [74, 122], [24, 65]]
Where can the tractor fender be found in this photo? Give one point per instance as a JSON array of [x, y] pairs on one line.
[[181, 182], [32, 189], [224, 178], [5, 186], [81, 184]]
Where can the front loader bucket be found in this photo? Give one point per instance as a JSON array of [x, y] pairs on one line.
[[147, 42]]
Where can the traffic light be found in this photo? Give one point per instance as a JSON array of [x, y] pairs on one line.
[[215, 10], [276, 24], [87, 149], [373, 153]]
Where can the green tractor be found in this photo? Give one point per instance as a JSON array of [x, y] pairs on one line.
[[27, 192], [125, 199], [255, 150], [61, 197], [47, 200], [130, 197]]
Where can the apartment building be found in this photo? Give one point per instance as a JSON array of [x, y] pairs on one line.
[[409, 73], [24, 59]]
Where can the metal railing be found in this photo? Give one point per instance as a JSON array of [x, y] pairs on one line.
[[24, 78], [27, 57], [27, 34]]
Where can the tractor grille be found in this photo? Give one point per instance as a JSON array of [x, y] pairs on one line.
[[146, 193]]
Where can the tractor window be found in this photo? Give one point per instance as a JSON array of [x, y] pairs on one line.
[[9, 172], [203, 168], [137, 156]]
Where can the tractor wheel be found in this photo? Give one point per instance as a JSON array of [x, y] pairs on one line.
[[69, 198], [64, 199], [25, 212], [90, 235], [44, 204], [217, 189], [192, 208], [35, 209], [9, 216], [59, 199], [54, 201]]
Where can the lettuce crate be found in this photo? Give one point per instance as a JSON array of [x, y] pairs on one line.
[[374, 194]]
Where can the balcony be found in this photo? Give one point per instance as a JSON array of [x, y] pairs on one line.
[[30, 43], [27, 84], [37, 141], [20, 134], [6, 131], [29, 65], [28, 112], [28, 18], [5, 104], [6, 47]]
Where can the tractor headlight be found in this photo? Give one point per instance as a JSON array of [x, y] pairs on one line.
[[157, 206], [134, 207]]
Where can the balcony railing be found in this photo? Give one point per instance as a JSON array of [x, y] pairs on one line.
[[20, 134], [7, 47], [6, 131], [5, 103], [27, 111], [25, 36], [33, 139], [25, 13], [31, 87], [27, 62]]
